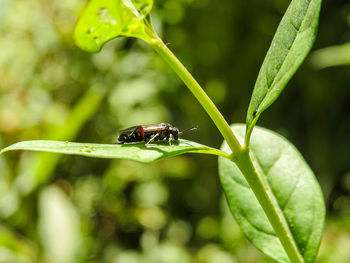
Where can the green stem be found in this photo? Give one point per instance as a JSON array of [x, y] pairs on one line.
[[269, 205], [198, 92], [240, 153]]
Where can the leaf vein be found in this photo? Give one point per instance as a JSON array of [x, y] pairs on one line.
[[257, 228], [239, 183], [290, 195]]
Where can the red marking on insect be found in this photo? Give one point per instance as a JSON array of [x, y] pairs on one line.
[[142, 133]]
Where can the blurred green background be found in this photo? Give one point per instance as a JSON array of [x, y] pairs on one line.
[[56, 208]]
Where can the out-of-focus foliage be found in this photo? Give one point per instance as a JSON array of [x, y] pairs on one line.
[[331, 56], [337, 55], [57, 208]]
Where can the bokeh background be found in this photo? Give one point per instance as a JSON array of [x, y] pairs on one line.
[[63, 209]]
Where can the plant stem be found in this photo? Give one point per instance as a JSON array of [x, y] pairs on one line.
[[240, 153], [198, 92], [269, 205]]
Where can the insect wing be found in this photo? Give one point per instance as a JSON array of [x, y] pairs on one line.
[[155, 127]]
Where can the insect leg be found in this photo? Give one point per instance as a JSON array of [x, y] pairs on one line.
[[152, 138], [170, 138]]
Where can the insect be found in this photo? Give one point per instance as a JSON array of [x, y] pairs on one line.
[[150, 133]]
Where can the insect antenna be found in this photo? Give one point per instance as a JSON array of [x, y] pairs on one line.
[[188, 129]]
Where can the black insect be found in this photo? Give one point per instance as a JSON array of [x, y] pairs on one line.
[[150, 133]]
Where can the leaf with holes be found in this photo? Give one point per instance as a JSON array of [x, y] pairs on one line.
[[290, 181], [134, 151], [292, 42], [103, 20]]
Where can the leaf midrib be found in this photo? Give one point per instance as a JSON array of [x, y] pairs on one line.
[[272, 196]]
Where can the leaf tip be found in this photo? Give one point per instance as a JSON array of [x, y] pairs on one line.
[[6, 149], [85, 40]]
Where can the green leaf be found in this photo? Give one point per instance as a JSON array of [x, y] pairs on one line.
[[292, 42], [292, 184], [103, 20], [138, 152]]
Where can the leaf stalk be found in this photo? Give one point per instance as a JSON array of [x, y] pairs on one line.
[[269, 205], [159, 46], [240, 154]]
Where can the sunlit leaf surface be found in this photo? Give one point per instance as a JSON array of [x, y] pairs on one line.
[[103, 20], [138, 152]]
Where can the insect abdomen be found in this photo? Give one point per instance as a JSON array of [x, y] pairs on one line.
[[134, 134]]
